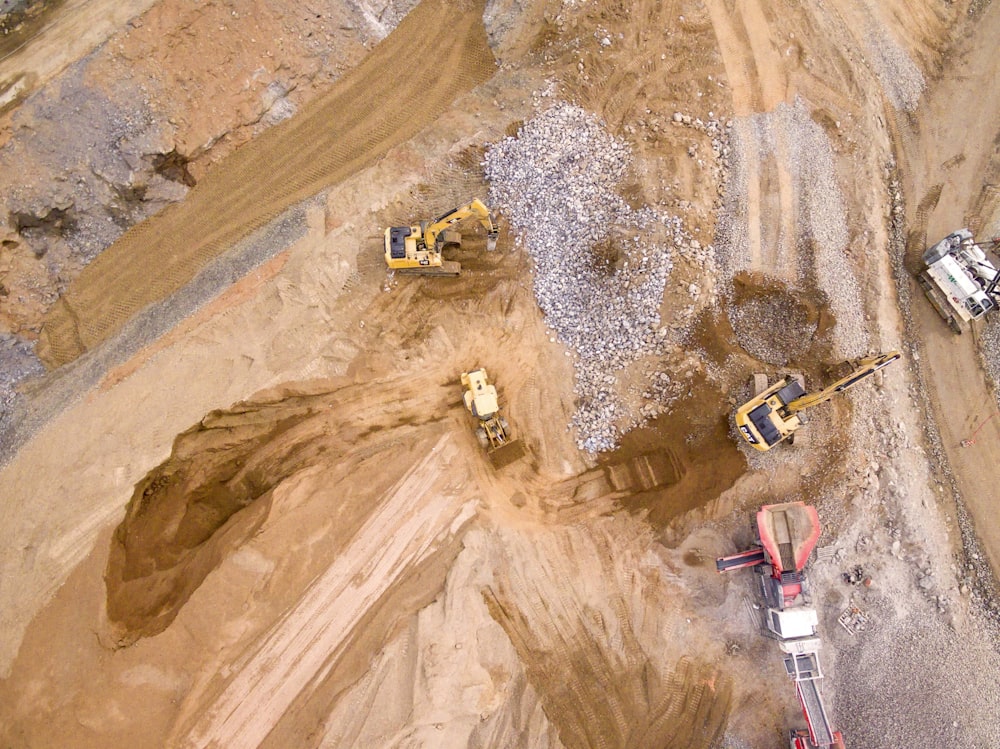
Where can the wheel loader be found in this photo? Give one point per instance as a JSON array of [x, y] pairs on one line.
[[772, 415], [492, 430], [417, 249]]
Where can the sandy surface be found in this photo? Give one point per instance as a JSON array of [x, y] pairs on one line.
[[33, 55], [262, 518]]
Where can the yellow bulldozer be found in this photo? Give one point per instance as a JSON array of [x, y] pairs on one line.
[[492, 429], [417, 249], [772, 415]]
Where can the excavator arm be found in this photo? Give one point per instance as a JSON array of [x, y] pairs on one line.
[[434, 231], [864, 368]]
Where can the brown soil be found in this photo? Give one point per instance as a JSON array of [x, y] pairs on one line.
[[334, 561], [697, 462], [205, 501], [337, 135]]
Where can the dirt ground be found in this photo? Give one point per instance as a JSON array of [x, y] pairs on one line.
[[243, 504]]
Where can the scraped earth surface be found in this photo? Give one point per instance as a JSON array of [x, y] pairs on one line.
[[243, 502]]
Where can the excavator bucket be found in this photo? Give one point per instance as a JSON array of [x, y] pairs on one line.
[[491, 241]]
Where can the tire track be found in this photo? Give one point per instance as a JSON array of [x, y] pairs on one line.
[[759, 82], [393, 94], [584, 654]]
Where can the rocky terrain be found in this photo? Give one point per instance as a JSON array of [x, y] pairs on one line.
[[243, 503]]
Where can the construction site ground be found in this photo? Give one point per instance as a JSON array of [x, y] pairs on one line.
[[241, 502]]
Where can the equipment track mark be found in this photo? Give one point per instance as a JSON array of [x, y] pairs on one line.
[[335, 136], [759, 82], [740, 66]]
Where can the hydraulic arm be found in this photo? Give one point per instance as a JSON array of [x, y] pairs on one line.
[[865, 368]]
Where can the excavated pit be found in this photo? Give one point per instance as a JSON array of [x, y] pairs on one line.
[[777, 324], [203, 502], [216, 489]]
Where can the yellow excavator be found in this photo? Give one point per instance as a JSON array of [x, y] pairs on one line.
[[416, 250], [772, 415]]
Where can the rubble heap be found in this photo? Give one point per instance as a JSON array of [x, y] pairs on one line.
[[600, 266]]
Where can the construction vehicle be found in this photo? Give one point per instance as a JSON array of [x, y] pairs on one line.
[[959, 279], [417, 249], [786, 536], [773, 414], [800, 739], [492, 430]]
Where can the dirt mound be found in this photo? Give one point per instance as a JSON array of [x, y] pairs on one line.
[[386, 100], [675, 464], [777, 324]]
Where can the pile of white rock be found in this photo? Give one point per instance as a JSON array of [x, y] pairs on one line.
[[600, 265]]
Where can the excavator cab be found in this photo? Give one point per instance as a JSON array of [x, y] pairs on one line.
[[397, 241], [763, 421]]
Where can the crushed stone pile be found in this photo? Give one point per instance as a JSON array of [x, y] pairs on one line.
[[989, 353], [817, 254], [600, 266]]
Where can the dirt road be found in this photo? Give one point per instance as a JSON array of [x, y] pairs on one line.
[[385, 101], [946, 172]]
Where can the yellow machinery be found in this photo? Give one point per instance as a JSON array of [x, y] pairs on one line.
[[481, 400], [416, 250], [773, 414]]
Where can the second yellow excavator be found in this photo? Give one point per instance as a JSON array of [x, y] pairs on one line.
[[772, 415], [416, 249]]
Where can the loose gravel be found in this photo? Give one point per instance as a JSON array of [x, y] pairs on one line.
[[990, 351], [600, 266], [912, 658], [818, 253], [897, 73]]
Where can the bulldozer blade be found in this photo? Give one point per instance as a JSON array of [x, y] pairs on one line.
[[448, 268], [507, 454]]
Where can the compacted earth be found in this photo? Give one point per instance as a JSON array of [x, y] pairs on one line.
[[242, 501]]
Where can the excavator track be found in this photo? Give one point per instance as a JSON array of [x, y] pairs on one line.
[[447, 269], [932, 294]]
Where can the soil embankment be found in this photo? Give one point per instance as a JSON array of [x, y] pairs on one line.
[[385, 101]]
